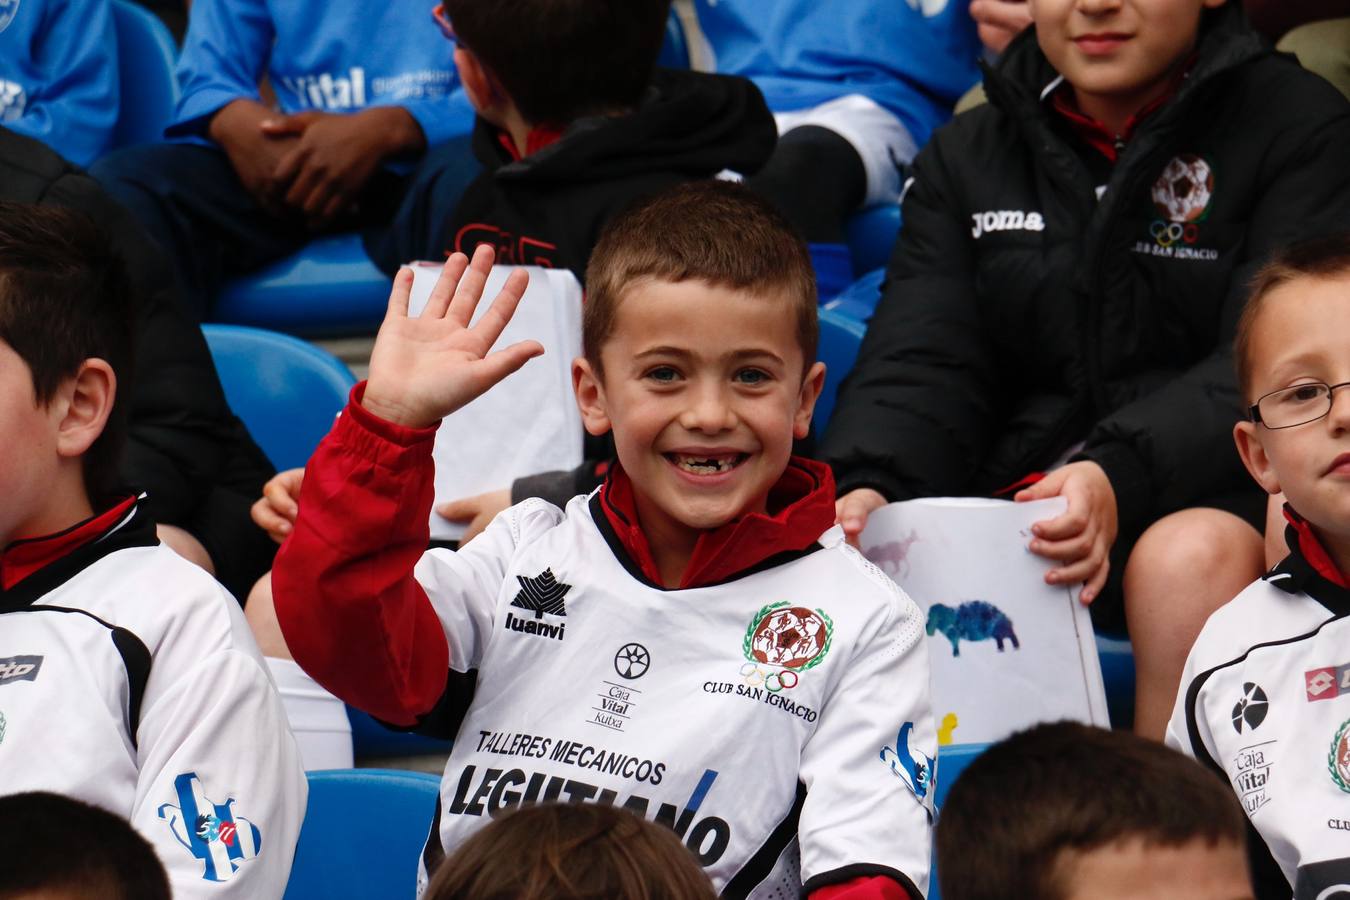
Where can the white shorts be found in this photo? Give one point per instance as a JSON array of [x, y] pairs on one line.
[[882, 141]]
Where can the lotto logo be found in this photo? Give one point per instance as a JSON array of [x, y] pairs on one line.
[[19, 668], [1327, 682]]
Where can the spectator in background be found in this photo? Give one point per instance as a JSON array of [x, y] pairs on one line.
[[571, 852], [57, 848], [857, 87], [363, 90], [58, 74], [185, 449], [1068, 812], [1063, 296]]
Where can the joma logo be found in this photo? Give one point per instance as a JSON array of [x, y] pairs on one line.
[[1005, 220]]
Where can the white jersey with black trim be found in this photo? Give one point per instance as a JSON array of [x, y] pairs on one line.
[[1265, 701], [129, 680], [778, 722]]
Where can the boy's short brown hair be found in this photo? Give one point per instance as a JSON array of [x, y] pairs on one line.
[[571, 852], [64, 298], [560, 60], [1068, 786], [1321, 257], [712, 231]]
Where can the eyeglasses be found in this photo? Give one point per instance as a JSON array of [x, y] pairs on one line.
[[438, 13], [1297, 405]]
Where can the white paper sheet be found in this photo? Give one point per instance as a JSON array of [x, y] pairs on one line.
[[528, 423], [965, 562]]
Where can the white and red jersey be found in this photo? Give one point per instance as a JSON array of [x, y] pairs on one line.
[[129, 679], [774, 711], [1265, 701]]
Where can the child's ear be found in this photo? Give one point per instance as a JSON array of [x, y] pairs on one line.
[[1248, 439], [82, 405], [806, 400], [478, 84], [590, 393]]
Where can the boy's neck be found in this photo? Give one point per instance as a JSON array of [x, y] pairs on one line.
[[1116, 111], [1337, 548], [65, 504]]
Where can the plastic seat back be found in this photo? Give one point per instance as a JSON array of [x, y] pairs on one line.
[[840, 337], [285, 390], [362, 835], [146, 56], [871, 235]]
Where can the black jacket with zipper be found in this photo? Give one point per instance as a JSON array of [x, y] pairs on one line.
[[1022, 315]]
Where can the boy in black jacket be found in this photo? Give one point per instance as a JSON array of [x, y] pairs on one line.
[[1063, 298]]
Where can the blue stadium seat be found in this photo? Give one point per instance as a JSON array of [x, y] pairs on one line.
[[285, 390], [146, 55], [840, 337], [1117, 659], [675, 51], [329, 287], [370, 738], [871, 235], [951, 762], [362, 835], [859, 299]]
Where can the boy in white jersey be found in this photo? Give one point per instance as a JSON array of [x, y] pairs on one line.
[[128, 677], [694, 642], [1265, 699]]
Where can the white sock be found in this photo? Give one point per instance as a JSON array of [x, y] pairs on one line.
[[318, 719]]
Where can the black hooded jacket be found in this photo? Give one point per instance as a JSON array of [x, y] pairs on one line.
[[1022, 315], [549, 207], [197, 463]]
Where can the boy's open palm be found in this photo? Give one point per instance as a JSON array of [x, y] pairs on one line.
[[423, 369]]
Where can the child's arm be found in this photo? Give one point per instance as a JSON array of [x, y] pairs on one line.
[[221, 790], [868, 768], [918, 412], [347, 601]]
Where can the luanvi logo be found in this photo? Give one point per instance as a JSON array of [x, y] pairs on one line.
[[540, 594], [19, 668]]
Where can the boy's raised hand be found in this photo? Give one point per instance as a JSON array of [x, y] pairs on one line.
[[1081, 537], [423, 369]]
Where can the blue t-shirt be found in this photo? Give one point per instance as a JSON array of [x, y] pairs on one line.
[[912, 57], [58, 74], [332, 55]]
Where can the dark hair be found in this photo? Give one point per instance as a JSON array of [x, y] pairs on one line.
[[712, 231], [571, 852], [53, 843], [65, 298], [1068, 786], [1321, 257], [560, 60]]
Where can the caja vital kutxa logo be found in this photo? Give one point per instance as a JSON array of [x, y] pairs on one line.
[[540, 595]]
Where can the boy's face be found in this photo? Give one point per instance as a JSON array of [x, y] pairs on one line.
[[1117, 51], [704, 391], [1302, 334], [1136, 870], [31, 455]]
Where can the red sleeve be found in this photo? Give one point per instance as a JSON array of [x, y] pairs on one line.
[[868, 887], [353, 616]]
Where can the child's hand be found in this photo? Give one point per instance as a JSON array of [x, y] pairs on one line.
[[423, 369], [1081, 538], [275, 511], [477, 511], [852, 509]]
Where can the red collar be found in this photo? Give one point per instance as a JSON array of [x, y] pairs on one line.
[[540, 136], [1312, 550], [24, 557], [804, 502], [1097, 135]]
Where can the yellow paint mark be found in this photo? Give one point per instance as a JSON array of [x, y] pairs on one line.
[[949, 723]]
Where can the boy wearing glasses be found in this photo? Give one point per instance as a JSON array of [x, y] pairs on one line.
[[1265, 697]]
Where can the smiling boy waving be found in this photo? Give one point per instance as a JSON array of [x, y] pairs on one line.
[[694, 641]]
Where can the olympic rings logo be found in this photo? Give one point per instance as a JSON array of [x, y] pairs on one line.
[[773, 681], [1169, 233]]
